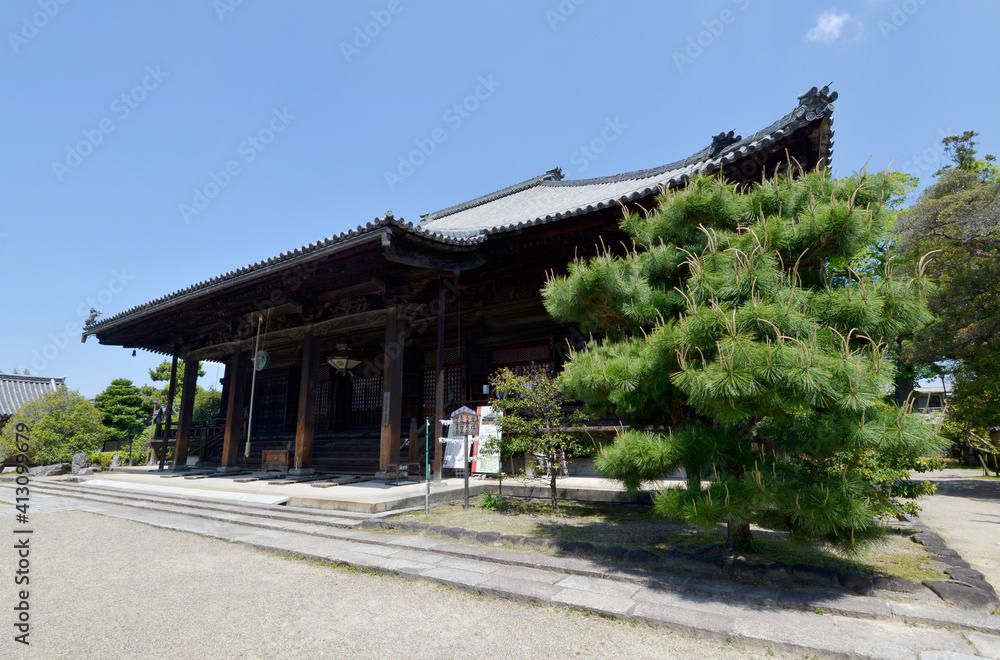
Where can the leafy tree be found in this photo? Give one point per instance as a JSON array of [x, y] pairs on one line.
[[741, 346], [123, 411], [62, 423], [161, 374], [957, 221], [207, 404], [532, 419]]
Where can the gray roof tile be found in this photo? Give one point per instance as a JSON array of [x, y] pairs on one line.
[[15, 391]]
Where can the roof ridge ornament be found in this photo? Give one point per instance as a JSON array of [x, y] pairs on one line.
[[555, 174], [722, 140], [818, 101]]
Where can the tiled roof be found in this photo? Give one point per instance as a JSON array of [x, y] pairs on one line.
[[15, 391], [542, 199], [546, 198]]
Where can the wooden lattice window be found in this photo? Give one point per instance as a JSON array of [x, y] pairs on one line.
[[524, 361], [454, 387], [366, 401], [323, 398]]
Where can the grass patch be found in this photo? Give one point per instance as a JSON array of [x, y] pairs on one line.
[[635, 527]]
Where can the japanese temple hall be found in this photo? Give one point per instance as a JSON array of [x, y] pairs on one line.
[[350, 343]]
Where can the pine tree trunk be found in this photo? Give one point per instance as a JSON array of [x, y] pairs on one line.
[[738, 535]]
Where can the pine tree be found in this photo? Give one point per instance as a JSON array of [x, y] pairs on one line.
[[122, 410], [740, 346]]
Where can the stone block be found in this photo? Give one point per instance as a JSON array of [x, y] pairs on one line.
[[595, 602], [598, 586], [487, 537], [512, 539], [815, 574], [612, 554], [519, 589], [641, 557], [856, 582], [79, 462], [372, 523], [897, 584], [963, 596], [679, 618], [748, 569], [49, 470], [579, 549], [535, 542], [452, 532], [778, 571]]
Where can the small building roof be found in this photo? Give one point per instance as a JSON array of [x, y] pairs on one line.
[[15, 391]]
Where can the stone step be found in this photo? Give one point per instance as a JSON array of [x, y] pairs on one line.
[[340, 519]]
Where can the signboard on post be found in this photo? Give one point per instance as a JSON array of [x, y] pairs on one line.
[[485, 458]]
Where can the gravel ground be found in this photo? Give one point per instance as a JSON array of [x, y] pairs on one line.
[[965, 511], [109, 588]]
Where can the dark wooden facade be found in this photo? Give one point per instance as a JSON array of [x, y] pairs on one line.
[[427, 311]]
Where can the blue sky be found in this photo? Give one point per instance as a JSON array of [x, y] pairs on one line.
[[151, 145]]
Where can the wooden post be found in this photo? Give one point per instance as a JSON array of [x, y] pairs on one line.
[[170, 409], [234, 412], [439, 387], [187, 412], [392, 391], [306, 424]]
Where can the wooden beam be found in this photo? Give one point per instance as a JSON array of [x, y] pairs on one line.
[[234, 411], [306, 423], [187, 412], [392, 390], [321, 329]]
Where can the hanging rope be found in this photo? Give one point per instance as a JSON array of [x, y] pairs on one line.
[[253, 380]]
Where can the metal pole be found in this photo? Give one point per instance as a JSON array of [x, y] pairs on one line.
[[427, 464], [465, 452]]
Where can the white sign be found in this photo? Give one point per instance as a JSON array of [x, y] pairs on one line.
[[483, 460]]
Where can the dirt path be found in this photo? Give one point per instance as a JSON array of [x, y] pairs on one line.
[[965, 511]]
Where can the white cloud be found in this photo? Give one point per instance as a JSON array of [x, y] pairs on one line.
[[829, 25]]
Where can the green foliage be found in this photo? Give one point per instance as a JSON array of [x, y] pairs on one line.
[[123, 413], [492, 502], [207, 404], [161, 374], [769, 373], [532, 419], [957, 223], [61, 423]]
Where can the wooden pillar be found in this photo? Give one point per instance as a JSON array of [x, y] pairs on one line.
[[392, 390], [306, 424], [234, 412], [187, 412], [439, 387], [170, 409]]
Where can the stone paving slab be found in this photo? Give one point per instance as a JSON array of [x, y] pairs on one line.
[[595, 602], [603, 587], [469, 565], [986, 645], [682, 601], [455, 576], [519, 589]]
